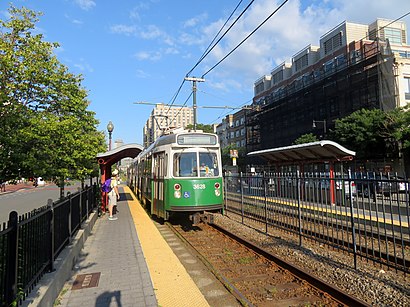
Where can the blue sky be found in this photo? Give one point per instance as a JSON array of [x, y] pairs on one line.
[[130, 51]]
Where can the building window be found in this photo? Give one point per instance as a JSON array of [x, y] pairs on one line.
[[406, 85], [302, 62], [276, 78], [333, 43], [259, 88], [393, 35]]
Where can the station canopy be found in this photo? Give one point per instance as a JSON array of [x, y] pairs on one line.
[[309, 152], [116, 154]]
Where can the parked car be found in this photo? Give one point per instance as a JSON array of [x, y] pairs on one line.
[[349, 186], [40, 182], [370, 184], [399, 185]]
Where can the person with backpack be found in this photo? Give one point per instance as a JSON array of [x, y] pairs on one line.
[[110, 186]]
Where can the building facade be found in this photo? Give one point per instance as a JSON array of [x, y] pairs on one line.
[[232, 131], [355, 66], [165, 117], [222, 130]]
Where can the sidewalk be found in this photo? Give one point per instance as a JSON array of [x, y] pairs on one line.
[[10, 188], [111, 268], [124, 262]]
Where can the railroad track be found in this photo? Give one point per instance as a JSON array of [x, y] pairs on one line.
[[253, 275], [378, 256]]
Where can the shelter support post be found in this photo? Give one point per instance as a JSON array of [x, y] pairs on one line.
[[332, 183]]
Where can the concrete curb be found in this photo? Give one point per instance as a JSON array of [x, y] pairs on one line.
[[49, 287]]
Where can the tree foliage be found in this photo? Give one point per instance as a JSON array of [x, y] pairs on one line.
[[46, 127], [374, 133], [226, 157], [203, 127], [305, 138]]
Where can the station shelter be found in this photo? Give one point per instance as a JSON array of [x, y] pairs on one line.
[[107, 159], [324, 151]]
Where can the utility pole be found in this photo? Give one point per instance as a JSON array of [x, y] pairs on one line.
[[194, 81]]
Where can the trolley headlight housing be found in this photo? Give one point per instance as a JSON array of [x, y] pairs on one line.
[[217, 186], [177, 190]]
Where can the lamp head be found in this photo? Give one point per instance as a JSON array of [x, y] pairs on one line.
[[110, 127]]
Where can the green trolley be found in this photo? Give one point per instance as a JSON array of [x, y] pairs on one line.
[[180, 173]]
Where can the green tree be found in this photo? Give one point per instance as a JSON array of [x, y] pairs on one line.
[[226, 158], [203, 127], [364, 131], [305, 138], [47, 129]]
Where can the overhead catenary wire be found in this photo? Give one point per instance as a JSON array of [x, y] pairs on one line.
[[397, 19], [209, 48], [246, 38]]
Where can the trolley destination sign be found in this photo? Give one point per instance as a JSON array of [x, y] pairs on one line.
[[195, 139]]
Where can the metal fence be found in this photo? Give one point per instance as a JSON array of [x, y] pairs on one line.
[[365, 214], [29, 243]]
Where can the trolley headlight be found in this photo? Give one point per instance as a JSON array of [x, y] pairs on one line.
[[177, 190], [217, 190]]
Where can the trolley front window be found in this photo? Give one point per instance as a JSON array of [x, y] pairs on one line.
[[208, 164], [185, 164]]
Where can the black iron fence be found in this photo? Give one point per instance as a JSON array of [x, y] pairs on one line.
[[365, 214], [29, 243]]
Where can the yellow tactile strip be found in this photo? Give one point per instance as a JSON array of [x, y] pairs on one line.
[[172, 284]]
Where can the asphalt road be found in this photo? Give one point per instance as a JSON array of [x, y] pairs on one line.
[[25, 200]]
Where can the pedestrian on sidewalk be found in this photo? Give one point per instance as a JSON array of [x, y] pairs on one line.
[[113, 195]]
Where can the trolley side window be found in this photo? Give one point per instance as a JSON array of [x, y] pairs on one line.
[[208, 162], [185, 164]]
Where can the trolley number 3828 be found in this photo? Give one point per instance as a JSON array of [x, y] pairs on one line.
[[199, 186]]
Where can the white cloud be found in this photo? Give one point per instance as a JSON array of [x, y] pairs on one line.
[[73, 21], [297, 24], [84, 66], [142, 74], [123, 29], [171, 50], [151, 32], [85, 4], [151, 56], [192, 22]]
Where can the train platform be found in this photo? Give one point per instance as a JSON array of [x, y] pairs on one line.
[[127, 262]]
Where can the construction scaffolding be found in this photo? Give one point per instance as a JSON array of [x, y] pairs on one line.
[[361, 77]]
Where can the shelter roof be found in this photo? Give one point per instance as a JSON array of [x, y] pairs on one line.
[[309, 152], [121, 152]]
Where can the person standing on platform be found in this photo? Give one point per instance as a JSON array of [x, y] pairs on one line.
[[113, 195]]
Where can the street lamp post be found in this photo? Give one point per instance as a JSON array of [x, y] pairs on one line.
[[110, 129], [320, 121]]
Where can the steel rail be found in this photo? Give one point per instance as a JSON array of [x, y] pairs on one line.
[[227, 284], [315, 281]]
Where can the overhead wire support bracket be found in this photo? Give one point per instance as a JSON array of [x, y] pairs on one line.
[[194, 81]]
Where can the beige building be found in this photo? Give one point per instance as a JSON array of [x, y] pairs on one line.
[[165, 117]]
